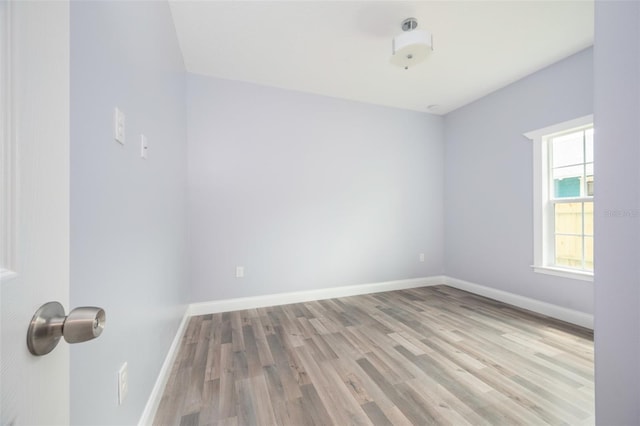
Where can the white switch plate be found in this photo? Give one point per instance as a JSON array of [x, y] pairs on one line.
[[123, 383], [239, 271], [144, 146], [421, 257], [118, 125]]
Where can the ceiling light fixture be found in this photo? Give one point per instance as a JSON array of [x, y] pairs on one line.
[[412, 46]]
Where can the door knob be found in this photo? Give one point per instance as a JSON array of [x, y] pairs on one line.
[[49, 324]]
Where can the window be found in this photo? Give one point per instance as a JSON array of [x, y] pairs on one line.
[[563, 199]]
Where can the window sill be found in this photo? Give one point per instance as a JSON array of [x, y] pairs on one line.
[[565, 273]]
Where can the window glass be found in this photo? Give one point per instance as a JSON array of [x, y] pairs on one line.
[[568, 251], [566, 181], [588, 219], [571, 164], [588, 253], [568, 218], [567, 150], [588, 170], [588, 134]]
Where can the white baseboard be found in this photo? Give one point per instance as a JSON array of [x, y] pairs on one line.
[[564, 314], [163, 377], [306, 296]]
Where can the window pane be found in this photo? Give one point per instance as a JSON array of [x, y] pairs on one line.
[[569, 251], [566, 181], [588, 135], [588, 253], [568, 218], [567, 149], [588, 218]]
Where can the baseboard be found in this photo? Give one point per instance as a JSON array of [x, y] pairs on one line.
[[306, 296], [564, 314], [163, 376]]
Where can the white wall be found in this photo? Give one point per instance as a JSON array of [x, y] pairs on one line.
[[617, 212], [489, 187], [128, 215], [307, 191]]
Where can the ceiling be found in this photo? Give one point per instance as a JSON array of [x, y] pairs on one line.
[[342, 48]]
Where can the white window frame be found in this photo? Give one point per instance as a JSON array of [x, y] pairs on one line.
[[542, 229]]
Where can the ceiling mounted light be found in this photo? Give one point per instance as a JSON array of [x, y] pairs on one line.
[[412, 46]]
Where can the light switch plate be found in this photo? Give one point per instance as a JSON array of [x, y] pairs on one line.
[[123, 383], [118, 125]]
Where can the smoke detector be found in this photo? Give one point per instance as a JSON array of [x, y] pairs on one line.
[[412, 46]]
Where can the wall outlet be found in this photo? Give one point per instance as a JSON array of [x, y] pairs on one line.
[[144, 147], [239, 271], [123, 383], [421, 257]]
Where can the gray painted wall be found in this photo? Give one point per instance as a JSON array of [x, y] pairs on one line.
[[308, 192], [489, 183], [128, 215], [617, 212]]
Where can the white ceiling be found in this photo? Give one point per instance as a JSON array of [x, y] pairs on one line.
[[342, 48]]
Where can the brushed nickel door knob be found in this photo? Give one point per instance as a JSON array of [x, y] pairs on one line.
[[49, 324]]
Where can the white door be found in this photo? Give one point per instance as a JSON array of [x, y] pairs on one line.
[[35, 205]]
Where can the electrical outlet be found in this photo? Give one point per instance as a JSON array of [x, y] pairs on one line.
[[239, 271], [123, 383], [144, 147], [421, 257]]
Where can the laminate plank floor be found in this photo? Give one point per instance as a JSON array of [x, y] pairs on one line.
[[430, 355]]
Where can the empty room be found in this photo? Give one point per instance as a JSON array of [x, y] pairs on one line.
[[320, 212]]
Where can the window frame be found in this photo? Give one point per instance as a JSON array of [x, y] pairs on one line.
[[543, 226]]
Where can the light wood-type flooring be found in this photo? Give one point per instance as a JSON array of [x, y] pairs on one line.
[[431, 355]]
